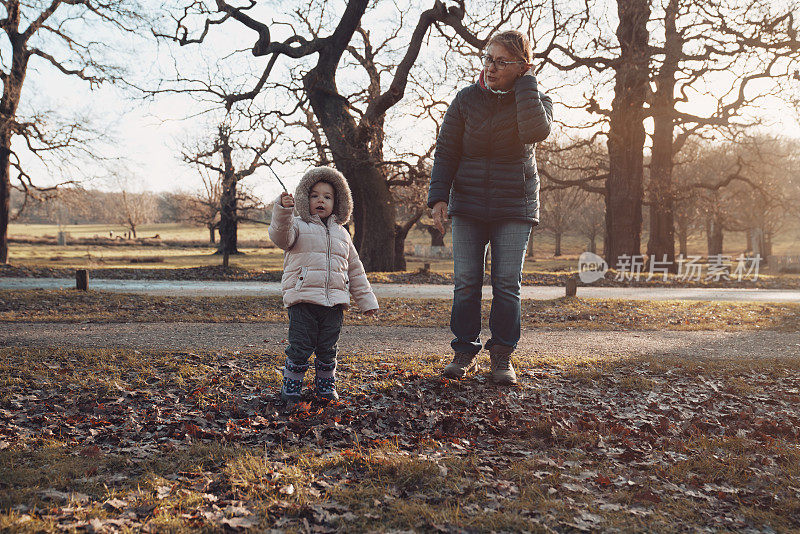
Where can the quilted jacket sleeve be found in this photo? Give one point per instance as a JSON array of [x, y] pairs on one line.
[[283, 226], [448, 154], [534, 110], [359, 285]]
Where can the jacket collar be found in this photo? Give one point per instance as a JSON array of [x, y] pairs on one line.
[[316, 219], [485, 89]]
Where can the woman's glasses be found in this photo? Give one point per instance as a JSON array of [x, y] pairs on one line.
[[501, 64]]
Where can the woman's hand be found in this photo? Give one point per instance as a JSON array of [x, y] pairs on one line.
[[439, 215], [287, 200]]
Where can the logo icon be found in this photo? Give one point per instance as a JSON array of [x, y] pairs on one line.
[[591, 267]]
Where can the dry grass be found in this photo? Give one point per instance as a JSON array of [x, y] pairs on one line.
[[74, 306]]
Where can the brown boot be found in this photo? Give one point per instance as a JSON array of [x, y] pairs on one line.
[[502, 370], [462, 364]]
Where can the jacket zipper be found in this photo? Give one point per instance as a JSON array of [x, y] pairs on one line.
[[486, 180], [328, 257]]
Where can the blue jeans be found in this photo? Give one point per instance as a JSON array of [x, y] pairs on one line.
[[509, 239]]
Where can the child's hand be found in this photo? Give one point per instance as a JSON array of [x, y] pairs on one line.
[[287, 200], [371, 313]]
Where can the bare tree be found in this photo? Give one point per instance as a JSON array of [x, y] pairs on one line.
[[750, 41], [354, 133], [628, 58], [135, 209], [131, 207], [202, 207], [55, 34], [560, 208], [590, 220], [233, 156], [700, 40]]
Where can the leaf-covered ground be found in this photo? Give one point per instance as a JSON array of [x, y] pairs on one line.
[[154, 441], [96, 306]]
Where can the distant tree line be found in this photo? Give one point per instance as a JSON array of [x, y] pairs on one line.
[[73, 205]]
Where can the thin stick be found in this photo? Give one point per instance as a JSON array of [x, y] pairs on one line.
[[276, 177]]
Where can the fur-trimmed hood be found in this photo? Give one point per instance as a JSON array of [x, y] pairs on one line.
[[343, 201]]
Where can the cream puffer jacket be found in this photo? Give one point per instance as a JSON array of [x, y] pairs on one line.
[[320, 263]]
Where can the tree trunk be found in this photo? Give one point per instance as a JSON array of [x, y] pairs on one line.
[[683, 240], [354, 153], [228, 222], [714, 237], [212, 238], [529, 252], [5, 195], [400, 248], [626, 136], [377, 245], [400, 235], [662, 225], [593, 245], [12, 90], [558, 244], [228, 215], [437, 237]]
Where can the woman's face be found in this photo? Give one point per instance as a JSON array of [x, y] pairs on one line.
[[502, 79]]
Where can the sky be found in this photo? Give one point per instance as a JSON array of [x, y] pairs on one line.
[[142, 137]]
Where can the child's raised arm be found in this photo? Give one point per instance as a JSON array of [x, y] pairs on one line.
[[283, 228]]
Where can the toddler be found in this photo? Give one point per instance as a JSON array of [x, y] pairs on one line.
[[321, 268]]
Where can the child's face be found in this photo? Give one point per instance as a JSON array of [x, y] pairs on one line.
[[321, 199]]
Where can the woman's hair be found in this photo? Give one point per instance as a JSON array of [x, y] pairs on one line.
[[516, 42]]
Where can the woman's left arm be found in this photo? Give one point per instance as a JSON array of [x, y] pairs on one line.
[[534, 110]]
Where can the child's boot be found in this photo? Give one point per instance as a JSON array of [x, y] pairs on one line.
[[325, 380], [292, 387]]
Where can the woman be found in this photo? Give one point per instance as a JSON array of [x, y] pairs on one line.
[[484, 177]]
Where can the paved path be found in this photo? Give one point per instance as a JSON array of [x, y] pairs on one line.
[[400, 340], [222, 288]]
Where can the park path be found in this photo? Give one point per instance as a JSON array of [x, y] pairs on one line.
[[228, 288], [390, 340]]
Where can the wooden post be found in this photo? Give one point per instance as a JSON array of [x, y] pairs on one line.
[[426, 267], [572, 286], [82, 280]]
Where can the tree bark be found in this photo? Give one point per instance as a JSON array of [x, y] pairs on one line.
[[400, 235], [683, 240], [351, 152], [437, 238], [5, 195], [377, 251], [529, 252], [228, 223], [714, 236], [557, 252], [228, 213], [12, 90], [212, 238], [624, 189], [662, 223]]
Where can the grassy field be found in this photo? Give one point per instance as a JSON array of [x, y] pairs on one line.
[[261, 257]]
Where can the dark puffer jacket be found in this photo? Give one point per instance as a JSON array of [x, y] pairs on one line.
[[485, 162]]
